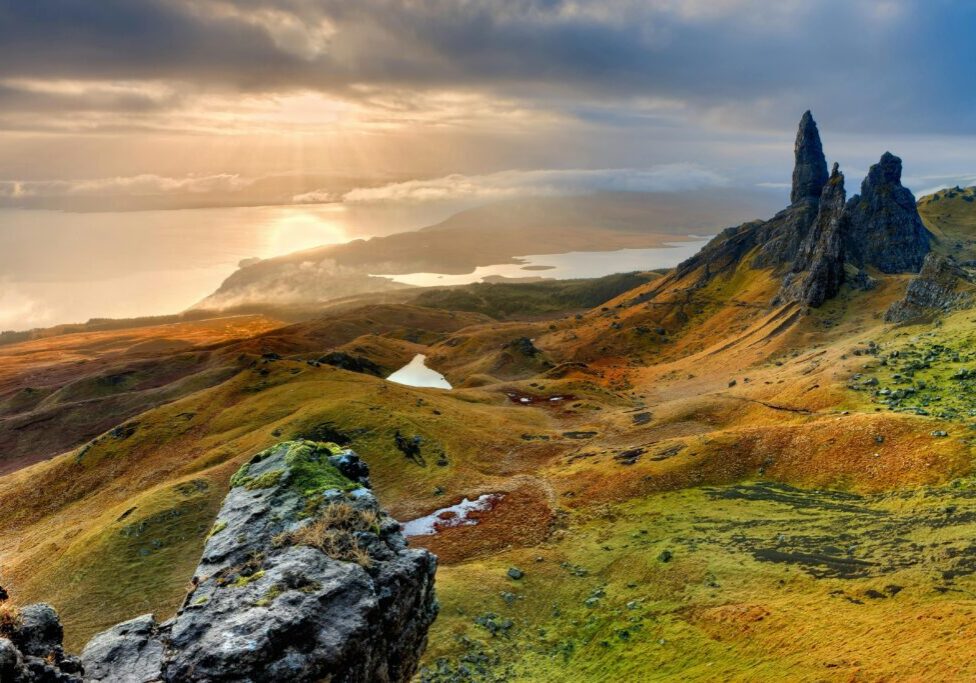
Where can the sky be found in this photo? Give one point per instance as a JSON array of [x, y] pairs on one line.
[[187, 103], [175, 138]]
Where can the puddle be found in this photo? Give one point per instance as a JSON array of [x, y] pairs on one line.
[[530, 399], [417, 374], [446, 518]]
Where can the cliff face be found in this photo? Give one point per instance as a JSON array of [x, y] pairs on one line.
[[885, 230], [818, 269], [303, 578], [939, 287]]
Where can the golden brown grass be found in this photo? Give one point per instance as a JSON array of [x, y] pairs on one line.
[[333, 531], [9, 619]]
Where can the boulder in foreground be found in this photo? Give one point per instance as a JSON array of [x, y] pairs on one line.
[[303, 578]]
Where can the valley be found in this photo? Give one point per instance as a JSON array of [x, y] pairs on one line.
[[735, 469]]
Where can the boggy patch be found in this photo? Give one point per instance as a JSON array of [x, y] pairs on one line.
[[521, 517], [525, 399], [836, 534]]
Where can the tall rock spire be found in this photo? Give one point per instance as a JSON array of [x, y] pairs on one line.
[[818, 270], [781, 237], [810, 171]]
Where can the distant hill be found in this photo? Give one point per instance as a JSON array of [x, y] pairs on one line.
[[488, 235], [950, 215]]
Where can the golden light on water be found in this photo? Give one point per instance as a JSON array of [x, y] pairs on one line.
[[298, 229]]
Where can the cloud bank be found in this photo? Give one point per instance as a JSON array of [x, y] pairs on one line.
[[140, 185], [427, 88], [534, 183], [725, 59]]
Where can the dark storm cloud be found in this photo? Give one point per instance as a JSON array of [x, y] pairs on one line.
[[122, 39], [895, 64], [14, 98]]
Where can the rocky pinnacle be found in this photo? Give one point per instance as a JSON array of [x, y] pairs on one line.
[[810, 170], [885, 229], [818, 270]]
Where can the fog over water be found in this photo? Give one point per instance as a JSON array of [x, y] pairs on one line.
[[66, 267], [60, 267]]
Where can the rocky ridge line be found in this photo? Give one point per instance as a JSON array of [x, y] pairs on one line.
[[941, 286]]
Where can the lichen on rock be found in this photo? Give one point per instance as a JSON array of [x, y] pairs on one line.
[[305, 579]]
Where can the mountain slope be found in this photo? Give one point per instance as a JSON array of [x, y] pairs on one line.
[[698, 478], [489, 235]]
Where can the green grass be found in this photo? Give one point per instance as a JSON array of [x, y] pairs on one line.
[[128, 564], [754, 581], [926, 370], [511, 300], [61, 521], [951, 216]]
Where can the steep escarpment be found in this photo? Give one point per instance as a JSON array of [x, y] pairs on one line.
[[303, 578]]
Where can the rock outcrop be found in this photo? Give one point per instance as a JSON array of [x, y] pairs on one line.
[[810, 169], [818, 270], [30, 646], [818, 242], [885, 230], [303, 578], [941, 286]]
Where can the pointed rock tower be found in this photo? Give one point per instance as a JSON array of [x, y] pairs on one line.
[[781, 237], [810, 169], [818, 271], [819, 242]]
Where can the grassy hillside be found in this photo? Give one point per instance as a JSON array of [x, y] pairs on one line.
[[950, 215], [511, 300], [693, 482]]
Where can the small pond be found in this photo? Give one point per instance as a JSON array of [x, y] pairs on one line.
[[417, 374]]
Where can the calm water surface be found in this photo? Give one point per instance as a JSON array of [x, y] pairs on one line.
[[61, 267], [575, 264]]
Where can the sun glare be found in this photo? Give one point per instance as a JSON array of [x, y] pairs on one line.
[[295, 230]]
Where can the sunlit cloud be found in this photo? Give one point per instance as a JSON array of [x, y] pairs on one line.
[[397, 90], [534, 183], [146, 184]]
